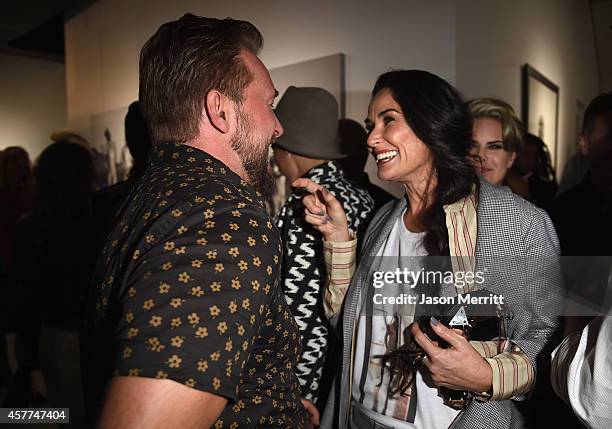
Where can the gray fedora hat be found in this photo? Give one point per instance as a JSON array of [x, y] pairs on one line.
[[309, 117]]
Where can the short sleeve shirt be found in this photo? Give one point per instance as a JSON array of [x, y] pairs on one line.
[[186, 289]]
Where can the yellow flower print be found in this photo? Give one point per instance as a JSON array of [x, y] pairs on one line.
[[174, 361], [233, 251], [264, 238], [176, 213], [131, 292], [196, 263], [219, 267], [184, 277], [177, 341], [202, 241], [136, 254], [197, 291], [215, 286], [269, 270], [199, 199], [148, 304], [236, 213], [176, 322], [167, 266], [255, 285], [149, 238], [180, 250], [156, 346], [164, 287], [236, 283], [134, 372], [257, 261], [215, 356], [241, 205], [129, 316], [216, 383], [253, 223], [181, 230], [209, 224], [132, 332], [190, 383], [209, 214], [228, 345], [243, 265], [202, 365], [240, 330], [201, 332], [222, 328], [211, 254], [226, 237], [161, 375], [234, 226], [233, 307], [269, 224], [176, 302], [251, 241], [169, 246], [127, 351], [214, 311], [256, 399], [193, 319]]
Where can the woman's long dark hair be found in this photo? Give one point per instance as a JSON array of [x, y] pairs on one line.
[[436, 113]]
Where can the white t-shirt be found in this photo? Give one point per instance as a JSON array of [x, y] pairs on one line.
[[428, 411]]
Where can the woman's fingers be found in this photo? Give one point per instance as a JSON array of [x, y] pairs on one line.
[[307, 184]]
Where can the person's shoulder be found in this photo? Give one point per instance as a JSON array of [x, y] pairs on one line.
[[503, 199]]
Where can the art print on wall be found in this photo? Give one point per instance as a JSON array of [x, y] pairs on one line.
[[541, 108]]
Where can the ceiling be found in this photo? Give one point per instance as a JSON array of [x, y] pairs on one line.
[[35, 28]]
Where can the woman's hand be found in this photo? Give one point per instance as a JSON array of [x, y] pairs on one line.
[[324, 211], [458, 367]]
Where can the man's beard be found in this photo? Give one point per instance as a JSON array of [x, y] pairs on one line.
[[253, 151]]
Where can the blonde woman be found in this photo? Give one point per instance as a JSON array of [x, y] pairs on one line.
[[497, 138]]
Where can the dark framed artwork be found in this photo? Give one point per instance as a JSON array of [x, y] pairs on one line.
[[540, 108]]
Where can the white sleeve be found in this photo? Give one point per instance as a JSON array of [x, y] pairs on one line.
[[582, 372]]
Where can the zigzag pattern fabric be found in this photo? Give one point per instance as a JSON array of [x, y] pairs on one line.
[[303, 270]]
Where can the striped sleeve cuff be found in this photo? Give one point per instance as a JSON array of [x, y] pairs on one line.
[[513, 374], [340, 257], [486, 349]]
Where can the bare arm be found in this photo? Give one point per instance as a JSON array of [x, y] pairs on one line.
[[138, 402]]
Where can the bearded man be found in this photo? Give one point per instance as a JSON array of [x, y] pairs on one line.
[[188, 326]]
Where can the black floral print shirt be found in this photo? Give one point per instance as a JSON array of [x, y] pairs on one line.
[[187, 289]]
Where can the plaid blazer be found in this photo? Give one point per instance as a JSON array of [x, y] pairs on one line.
[[518, 250]]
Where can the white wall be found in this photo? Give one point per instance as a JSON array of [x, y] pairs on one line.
[[479, 45], [32, 102], [495, 38], [103, 42]]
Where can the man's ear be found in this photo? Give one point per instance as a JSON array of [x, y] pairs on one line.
[[584, 145], [218, 108]]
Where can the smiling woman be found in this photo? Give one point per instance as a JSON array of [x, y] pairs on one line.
[[420, 134]]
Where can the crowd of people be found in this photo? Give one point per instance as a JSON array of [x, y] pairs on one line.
[[174, 298]]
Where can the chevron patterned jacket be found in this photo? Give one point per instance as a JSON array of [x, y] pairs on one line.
[[303, 267]]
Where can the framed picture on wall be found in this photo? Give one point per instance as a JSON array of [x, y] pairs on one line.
[[540, 103]]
